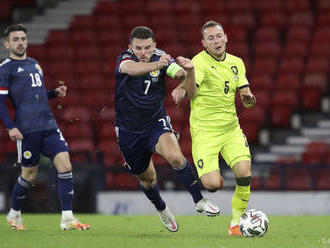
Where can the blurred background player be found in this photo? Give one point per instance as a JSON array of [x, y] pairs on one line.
[[214, 124], [142, 124], [35, 129]]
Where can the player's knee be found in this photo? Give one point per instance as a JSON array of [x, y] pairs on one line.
[[213, 184], [148, 183], [176, 159], [64, 167], [29, 176]]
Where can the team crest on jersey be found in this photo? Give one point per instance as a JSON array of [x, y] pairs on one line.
[[39, 69], [234, 69], [27, 154], [155, 73]]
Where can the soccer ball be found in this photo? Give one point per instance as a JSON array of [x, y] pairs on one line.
[[254, 223]]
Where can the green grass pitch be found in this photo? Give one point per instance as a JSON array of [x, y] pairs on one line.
[[147, 232]]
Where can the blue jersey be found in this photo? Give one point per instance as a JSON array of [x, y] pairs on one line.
[[22, 81], [139, 99]]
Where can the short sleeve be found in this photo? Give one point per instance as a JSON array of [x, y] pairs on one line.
[[242, 75], [199, 72], [123, 59], [4, 81]]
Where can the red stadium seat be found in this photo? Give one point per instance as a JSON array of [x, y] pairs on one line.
[[298, 32], [126, 181], [107, 23], [305, 19], [107, 7], [83, 22], [58, 68], [267, 34], [323, 19], [77, 131], [97, 100], [244, 19], [287, 81], [295, 48], [158, 7], [61, 52], [273, 181], [265, 65], [322, 181], [280, 116], [86, 52], [320, 49], [85, 37], [88, 67], [315, 152], [92, 83], [106, 37], [238, 48], [285, 98], [263, 6], [106, 132], [255, 115], [323, 5], [298, 179], [263, 97], [76, 114], [251, 131], [39, 52], [261, 82], [310, 98], [317, 80], [57, 37], [319, 64], [297, 5], [273, 18], [291, 65], [268, 49]]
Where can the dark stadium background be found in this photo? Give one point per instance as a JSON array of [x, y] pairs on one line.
[[285, 47]]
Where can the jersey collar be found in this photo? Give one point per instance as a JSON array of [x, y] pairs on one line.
[[216, 58]]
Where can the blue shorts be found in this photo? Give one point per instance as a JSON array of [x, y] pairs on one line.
[[137, 148], [48, 142]]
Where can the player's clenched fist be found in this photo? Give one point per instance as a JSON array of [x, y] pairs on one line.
[[164, 60], [61, 91], [185, 63]]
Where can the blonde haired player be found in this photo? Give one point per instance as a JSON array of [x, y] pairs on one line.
[[214, 124]]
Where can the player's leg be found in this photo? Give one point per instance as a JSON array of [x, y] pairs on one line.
[[237, 155], [28, 151], [138, 162], [56, 149], [148, 182], [166, 144]]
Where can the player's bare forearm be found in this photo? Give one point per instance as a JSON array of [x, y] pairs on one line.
[[189, 82], [178, 94], [248, 99], [133, 68]]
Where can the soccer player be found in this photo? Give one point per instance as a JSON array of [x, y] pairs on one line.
[[142, 125], [34, 130], [214, 124]]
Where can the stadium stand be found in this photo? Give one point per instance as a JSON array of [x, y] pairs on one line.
[[285, 45]]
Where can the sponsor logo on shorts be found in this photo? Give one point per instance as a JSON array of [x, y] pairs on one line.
[[27, 154], [200, 163]]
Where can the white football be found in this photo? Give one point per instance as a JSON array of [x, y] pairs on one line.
[[254, 223]]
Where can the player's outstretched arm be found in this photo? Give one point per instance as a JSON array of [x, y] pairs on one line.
[[189, 82], [134, 68], [247, 98]]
